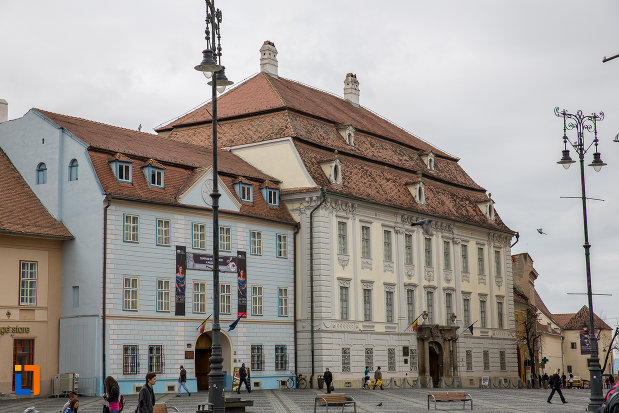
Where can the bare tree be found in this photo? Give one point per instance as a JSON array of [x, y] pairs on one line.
[[532, 338]]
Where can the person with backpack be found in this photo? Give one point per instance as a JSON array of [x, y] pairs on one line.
[[146, 398], [182, 379], [112, 394], [555, 384]]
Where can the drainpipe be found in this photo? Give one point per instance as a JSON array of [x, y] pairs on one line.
[[294, 249], [108, 198], [323, 192], [517, 235]]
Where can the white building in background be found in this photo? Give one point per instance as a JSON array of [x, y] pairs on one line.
[[355, 182]]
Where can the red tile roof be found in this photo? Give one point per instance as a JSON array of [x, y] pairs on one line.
[[183, 164], [576, 321], [21, 212]]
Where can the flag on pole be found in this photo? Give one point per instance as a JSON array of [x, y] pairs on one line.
[[233, 325], [415, 324], [471, 328], [201, 326]]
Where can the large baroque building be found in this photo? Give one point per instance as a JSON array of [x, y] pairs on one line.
[[355, 183], [136, 281]]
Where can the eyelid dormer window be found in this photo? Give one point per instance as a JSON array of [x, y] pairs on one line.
[[155, 177], [124, 171]]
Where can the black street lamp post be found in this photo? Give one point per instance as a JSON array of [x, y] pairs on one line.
[[582, 123], [211, 67]]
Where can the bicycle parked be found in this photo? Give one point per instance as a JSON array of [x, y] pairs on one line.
[[297, 382]]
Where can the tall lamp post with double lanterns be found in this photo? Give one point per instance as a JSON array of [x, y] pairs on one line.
[[582, 124], [212, 69]]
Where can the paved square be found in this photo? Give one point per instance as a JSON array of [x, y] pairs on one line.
[[301, 401]]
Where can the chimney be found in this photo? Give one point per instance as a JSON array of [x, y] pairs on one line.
[[4, 110], [351, 89], [268, 58]]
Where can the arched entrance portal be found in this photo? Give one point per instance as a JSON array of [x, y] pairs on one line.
[[435, 358], [203, 353]]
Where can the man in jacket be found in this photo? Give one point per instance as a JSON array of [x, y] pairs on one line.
[[243, 379], [146, 398], [328, 379], [378, 379], [182, 379], [555, 383]]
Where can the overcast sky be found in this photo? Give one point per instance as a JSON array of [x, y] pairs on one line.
[[478, 79]]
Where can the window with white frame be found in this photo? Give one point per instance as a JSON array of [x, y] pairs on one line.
[[130, 359], [480, 260], [410, 305], [155, 359], [282, 246], [369, 357], [427, 243], [131, 228], [199, 236], [130, 293], [246, 192], [486, 354], [387, 246], [281, 359], [255, 240], [156, 177], [282, 302], [225, 239], [389, 306], [225, 299], [469, 360], [163, 232], [447, 255], [483, 316], [466, 311], [430, 305], [367, 304], [464, 251], [345, 359], [499, 314], [28, 283], [342, 238], [448, 307], [273, 196], [408, 249], [391, 359], [199, 297], [123, 171], [344, 302], [497, 264], [257, 362], [365, 242], [256, 299], [163, 295]]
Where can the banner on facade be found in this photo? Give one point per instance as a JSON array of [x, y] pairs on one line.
[[241, 263], [236, 378], [181, 280], [204, 262], [585, 342]]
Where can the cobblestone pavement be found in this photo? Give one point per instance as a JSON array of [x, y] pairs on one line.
[[300, 401]]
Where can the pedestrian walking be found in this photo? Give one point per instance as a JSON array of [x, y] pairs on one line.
[[112, 394], [146, 398], [563, 380], [328, 379], [182, 379], [546, 378], [366, 377], [570, 381], [555, 383], [243, 379], [378, 379]]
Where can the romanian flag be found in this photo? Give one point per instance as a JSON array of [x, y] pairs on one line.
[[415, 324], [201, 327]]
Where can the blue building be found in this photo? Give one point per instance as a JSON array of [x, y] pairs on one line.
[[138, 205]]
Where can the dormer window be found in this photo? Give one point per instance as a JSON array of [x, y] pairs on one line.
[[348, 133], [273, 196], [155, 176], [418, 191], [488, 208], [428, 159], [336, 173], [431, 164], [246, 192], [124, 171]]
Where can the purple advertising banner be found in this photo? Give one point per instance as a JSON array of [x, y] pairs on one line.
[[204, 262], [181, 281], [585, 342], [241, 262]]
